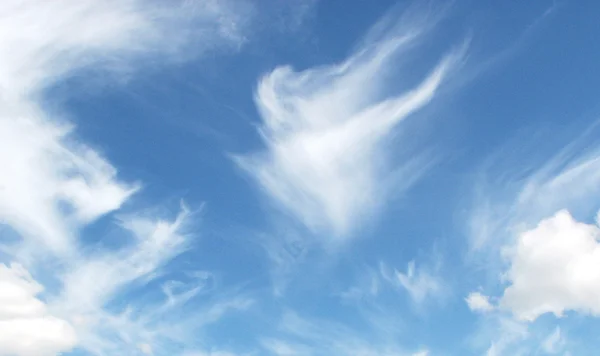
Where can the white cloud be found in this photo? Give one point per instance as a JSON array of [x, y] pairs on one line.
[[26, 326], [94, 280], [419, 283], [52, 185], [42, 173], [525, 191], [479, 302], [554, 267], [325, 130], [522, 224]]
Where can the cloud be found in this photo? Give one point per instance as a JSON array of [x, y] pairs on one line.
[[27, 328], [326, 129], [53, 185], [54, 38], [93, 280], [105, 294], [554, 268], [531, 226], [422, 283], [479, 303], [530, 186], [418, 283], [523, 225], [43, 174]]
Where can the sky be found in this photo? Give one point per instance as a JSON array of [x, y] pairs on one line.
[[299, 177]]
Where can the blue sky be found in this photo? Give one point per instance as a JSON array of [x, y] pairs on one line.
[[302, 177]]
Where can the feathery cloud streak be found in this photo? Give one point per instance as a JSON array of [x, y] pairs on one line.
[[43, 42], [52, 185], [325, 131]]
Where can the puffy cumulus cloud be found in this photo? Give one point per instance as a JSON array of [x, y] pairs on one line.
[[479, 302], [325, 130], [522, 228], [554, 268], [26, 326]]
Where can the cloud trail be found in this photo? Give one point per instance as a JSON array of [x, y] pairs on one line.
[[326, 129], [52, 185]]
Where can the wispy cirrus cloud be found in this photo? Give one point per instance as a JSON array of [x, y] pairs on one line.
[[53, 186], [325, 129], [419, 283], [46, 168], [525, 191]]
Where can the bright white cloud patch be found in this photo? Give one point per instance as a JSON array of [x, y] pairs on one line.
[[554, 268], [52, 186], [325, 130], [479, 302], [554, 343], [42, 175], [26, 326]]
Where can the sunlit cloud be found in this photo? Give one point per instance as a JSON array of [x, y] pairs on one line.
[[26, 326], [53, 185], [325, 130]]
